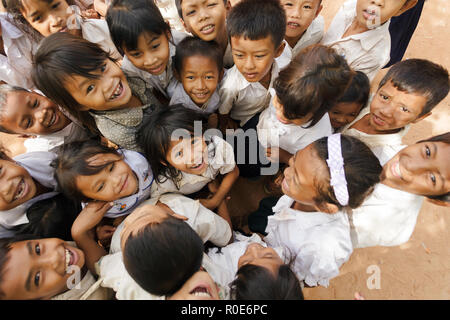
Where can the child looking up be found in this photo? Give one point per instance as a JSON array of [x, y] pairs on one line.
[[256, 30], [206, 19], [25, 180], [351, 102], [81, 77], [183, 160], [198, 67], [88, 170], [331, 174], [407, 94], [304, 26], [141, 34], [51, 16], [360, 32], [31, 114]]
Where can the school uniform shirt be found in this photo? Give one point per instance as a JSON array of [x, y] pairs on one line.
[[220, 160], [16, 65], [224, 261], [208, 225], [179, 95], [289, 137], [38, 166], [312, 35], [143, 172], [120, 126], [319, 241], [242, 99], [375, 140], [368, 51], [160, 82]]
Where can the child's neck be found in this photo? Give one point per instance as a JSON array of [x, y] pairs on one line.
[[134, 102], [265, 81], [355, 28], [365, 125], [293, 41], [303, 207]]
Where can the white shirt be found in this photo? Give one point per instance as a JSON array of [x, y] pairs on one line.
[[375, 140], [312, 35], [243, 99], [368, 51], [319, 241], [289, 137], [38, 166], [220, 160], [162, 81], [16, 66], [179, 95], [208, 225], [143, 172]]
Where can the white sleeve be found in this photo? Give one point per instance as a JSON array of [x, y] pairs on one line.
[[227, 93], [224, 156]]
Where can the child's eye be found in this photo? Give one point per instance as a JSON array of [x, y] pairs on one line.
[[384, 97], [56, 5], [189, 13], [179, 154], [190, 77], [307, 7], [90, 88], [404, 109], [433, 179], [212, 5], [259, 56], [136, 54], [35, 104], [209, 77], [288, 4], [37, 278], [28, 124], [238, 55], [155, 46], [36, 19], [427, 151], [111, 168], [37, 249], [100, 187], [103, 68]]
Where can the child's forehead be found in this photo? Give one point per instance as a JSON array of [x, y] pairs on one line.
[[197, 3], [199, 62], [243, 42], [415, 99]]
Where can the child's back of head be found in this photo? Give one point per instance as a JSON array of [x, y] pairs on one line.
[[419, 77], [312, 83], [255, 20]]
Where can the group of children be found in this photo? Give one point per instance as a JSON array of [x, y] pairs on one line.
[[122, 138]]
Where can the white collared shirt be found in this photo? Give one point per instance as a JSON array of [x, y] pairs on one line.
[[162, 81], [16, 66], [368, 51], [312, 35], [374, 140], [220, 160], [319, 241], [179, 95], [289, 137], [242, 99]]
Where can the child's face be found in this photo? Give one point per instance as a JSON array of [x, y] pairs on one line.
[[204, 18], [374, 13], [40, 269], [152, 53], [422, 168], [258, 255], [189, 155], [299, 15], [305, 173], [393, 109], [254, 58], [31, 113], [109, 92], [47, 17], [16, 185], [199, 76], [279, 111], [115, 181], [198, 287], [343, 113]]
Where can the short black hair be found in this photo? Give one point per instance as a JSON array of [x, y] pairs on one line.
[[257, 283], [180, 11], [192, 46], [162, 257], [51, 218], [256, 19], [358, 91], [154, 136], [128, 19], [420, 77]]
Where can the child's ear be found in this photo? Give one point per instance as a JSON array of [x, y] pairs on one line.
[[228, 6], [406, 7], [280, 49], [327, 207], [422, 117]]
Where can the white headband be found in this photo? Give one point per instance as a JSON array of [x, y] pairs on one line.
[[336, 164]]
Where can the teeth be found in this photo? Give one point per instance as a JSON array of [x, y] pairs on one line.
[[202, 294], [293, 24], [67, 259], [19, 190], [117, 92], [207, 28]]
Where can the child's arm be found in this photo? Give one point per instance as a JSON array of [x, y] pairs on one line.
[[223, 212], [101, 6], [275, 154], [223, 190], [83, 232]]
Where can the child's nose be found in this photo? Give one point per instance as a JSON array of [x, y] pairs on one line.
[[249, 63], [203, 14], [55, 21], [379, 3], [200, 83], [149, 60]]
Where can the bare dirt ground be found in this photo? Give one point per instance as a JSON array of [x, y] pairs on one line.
[[420, 268]]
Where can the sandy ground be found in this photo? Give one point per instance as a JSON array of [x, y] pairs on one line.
[[420, 268]]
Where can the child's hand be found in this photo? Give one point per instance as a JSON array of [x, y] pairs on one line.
[[210, 203], [225, 122], [90, 14], [275, 154], [89, 217]]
